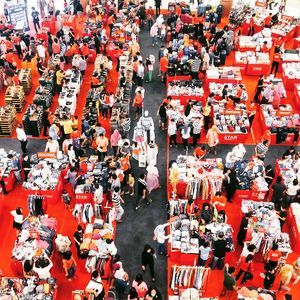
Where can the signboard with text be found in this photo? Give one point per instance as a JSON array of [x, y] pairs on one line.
[[17, 15]]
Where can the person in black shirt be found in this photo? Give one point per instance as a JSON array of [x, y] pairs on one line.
[[97, 43], [162, 113], [291, 152], [148, 259], [220, 249], [243, 229], [46, 122], [225, 92], [157, 6], [282, 214], [142, 192], [78, 239], [26, 166], [36, 19], [188, 108], [279, 189], [269, 277], [260, 85], [153, 293]]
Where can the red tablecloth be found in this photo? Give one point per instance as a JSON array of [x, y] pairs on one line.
[[289, 82], [10, 181], [83, 197], [249, 195], [184, 99], [242, 66], [232, 138], [294, 232], [173, 78]]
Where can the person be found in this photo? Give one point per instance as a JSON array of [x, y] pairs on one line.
[[286, 273], [292, 190], [26, 166], [2, 183], [148, 255], [21, 135], [52, 146], [204, 251], [138, 104], [196, 130], [142, 192], [206, 214], [160, 237], [206, 111], [132, 295], [269, 175], [42, 267], [150, 14], [243, 229], [162, 113], [200, 152], [163, 66], [229, 283], [60, 75], [78, 239], [278, 189], [218, 201], [261, 150], [114, 141], [172, 133], [154, 33], [219, 246], [95, 286], [28, 268], [212, 139], [130, 182], [36, 19], [185, 135], [274, 255], [282, 214], [69, 265], [66, 198], [140, 286], [251, 23], [246, 268], [157, 7], [269, 277], [98, 194], [267, 21], [152, 178], [276, 61], [18, 219], [102, 144], [289, 153], [117, 200]]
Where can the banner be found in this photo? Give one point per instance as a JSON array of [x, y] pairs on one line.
[[17, 15]]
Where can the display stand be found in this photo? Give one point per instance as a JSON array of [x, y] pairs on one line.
[[8, 120], [14, 95]]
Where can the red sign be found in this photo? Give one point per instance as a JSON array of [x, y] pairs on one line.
[[235, 112], [287, 18], [261, 4], [230, 137], [47, 155]]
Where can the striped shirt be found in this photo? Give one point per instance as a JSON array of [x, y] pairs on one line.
[[195, 65], [115, 197]]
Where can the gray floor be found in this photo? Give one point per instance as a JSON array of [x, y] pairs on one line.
[[137, 227]]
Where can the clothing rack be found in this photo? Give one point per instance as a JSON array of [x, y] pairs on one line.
[[189, 276], [36, 205]]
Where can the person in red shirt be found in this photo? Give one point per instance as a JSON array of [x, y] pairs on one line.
[[246, 267], [265, 48], [274, 256], [111, 22], [276, 60], [150, 15], [138, 104], [219, 201], [251, 28], [267, 21], [95, 81], [267, 136], [85, 50], [163, 64]]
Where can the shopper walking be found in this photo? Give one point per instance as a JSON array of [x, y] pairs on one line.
[[140, 286], [212, 139], [243, 229], [102, 145], [196, 130], [185, 135], [148, 256], [276, 61], [36, 19], [206, 111], [117, 200], [229, 283], [157, 7], [160, 237], [78, 239], [172, 133], [142, 192], [162, 113], [21, 136], [278, 189], [261, 150], [246, 268], [204, 251], [69, 265], [18, 219], [220, 248]]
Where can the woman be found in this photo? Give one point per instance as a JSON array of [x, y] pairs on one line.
[[246, 267], [102, 144], [185, 134], [152, 177], [27, 268], [206, 214], [42, 267], [69, 265], [114, 141], [54, 131], [58, 20], [18, 218], [243, 229], [132, 295], [148, 259], [51, 7], [153, 294], [140, 286], [212, 139]]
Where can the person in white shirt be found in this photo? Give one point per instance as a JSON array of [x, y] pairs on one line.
[[172, 131], [185, 134], [18, 218], [42, 267], [41, 50], [95, 286], [292, 190], [21, 135], [204, 251], [52, 146], [160, 236]]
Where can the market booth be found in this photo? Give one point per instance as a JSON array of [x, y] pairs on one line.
[[297, 94], [291, 74], [223, 75]]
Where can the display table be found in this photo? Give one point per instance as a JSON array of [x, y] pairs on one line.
[[247, 43], [178, 77], [288, 58], [10, 181], [293, 220], [279, 115], [297, 94], [223, 75], [249, 194], [84, 197], [291, 74]]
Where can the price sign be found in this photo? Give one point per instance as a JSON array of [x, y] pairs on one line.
[[18, 16]]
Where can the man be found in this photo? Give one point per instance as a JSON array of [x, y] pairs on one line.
[[52, 146], [36, 19], [220, 247], [142, 192], [276, 61], [160, 236], [16, 166], [98, 194], [261, 150], [157, 7], [267, 21], [229, 283], [22, 138], [78, 239], [150, 14], [140, 73], [60, 75], [117, 200], [2, 183], [251, 23]]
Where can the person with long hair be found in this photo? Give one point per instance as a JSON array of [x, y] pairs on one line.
[[148, 255], [140, 286]]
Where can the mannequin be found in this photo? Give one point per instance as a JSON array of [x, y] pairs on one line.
[[139, 133], [147, 123]]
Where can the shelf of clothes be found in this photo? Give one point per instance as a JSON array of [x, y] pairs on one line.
[[7, 164]]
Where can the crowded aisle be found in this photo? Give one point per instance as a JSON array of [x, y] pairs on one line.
[[132, 207]]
